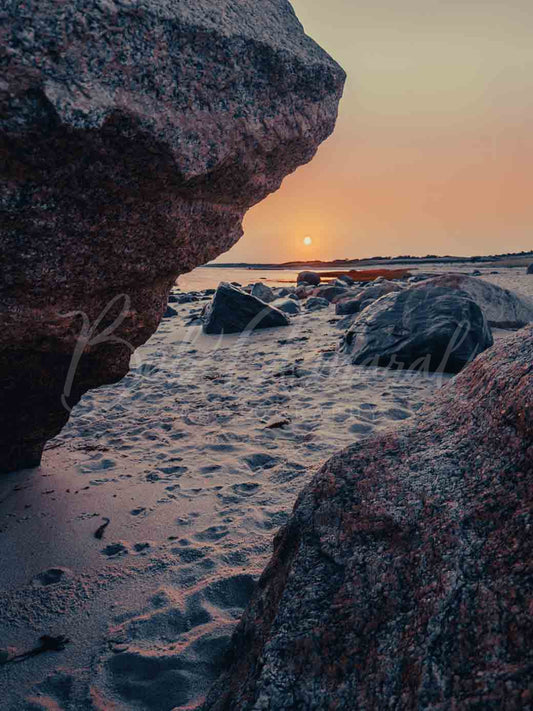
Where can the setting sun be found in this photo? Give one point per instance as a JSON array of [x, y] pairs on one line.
[[308, 241]]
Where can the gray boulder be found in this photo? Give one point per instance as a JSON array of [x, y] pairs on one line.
[[288, 306], [304, 290], [316, 303], [234, 311], [332, 292], [311, 278], [346, 279], [170, 312], [263, 292], [346, 307], [425, 328], [366, 296], [502, 308], [284, 291]]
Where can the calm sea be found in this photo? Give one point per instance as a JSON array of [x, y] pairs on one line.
[[210, 278]]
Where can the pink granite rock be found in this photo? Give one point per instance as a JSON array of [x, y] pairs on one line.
[[135, 135], [403, 579]]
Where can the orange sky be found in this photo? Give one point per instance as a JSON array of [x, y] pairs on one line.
[[433, 151]]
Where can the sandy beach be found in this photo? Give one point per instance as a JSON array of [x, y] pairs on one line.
[[190, 463]]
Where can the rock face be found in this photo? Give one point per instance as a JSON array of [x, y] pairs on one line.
[[502, 308], [427, 328], [402, 579], [234, 311], [135, 135]]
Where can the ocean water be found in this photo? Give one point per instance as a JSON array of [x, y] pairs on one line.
[[210, 277]]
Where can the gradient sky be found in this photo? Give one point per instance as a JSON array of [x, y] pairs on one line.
[[433, 151]]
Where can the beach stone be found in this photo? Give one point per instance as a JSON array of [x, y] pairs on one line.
[[367, 295], [529, 269], [401, 580], [284, 292], [427, 328], [346, 307], [304, 291], [288, 306], [375, 291], [136, 137], [346, 279], [502, 308], [331, 293], [315, 303], [311, 278], [234, 311], [263, 292], [169, 312]]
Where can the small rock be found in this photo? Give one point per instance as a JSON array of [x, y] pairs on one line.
[[316, 303], [311, 278], [170, 312], [263, 292], [348, 306], [288, 306]]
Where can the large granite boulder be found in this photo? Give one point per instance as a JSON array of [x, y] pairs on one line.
[[403, 578], [502, 308], [135, 136], [426, 328], [234, 311]]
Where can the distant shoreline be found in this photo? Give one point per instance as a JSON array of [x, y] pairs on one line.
[[503, 260]]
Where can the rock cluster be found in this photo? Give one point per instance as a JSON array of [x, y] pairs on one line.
[[403, 578], [135, 135]]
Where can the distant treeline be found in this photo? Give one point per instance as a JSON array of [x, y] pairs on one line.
[[401, 259]]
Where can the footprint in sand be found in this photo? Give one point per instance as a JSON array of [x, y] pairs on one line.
[[246, 488], [396, 413], [52, 576], [213, 533], [360, 428], [260, 460], [115, 549]]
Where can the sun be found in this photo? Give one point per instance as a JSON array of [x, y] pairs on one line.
[[308, 241]]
